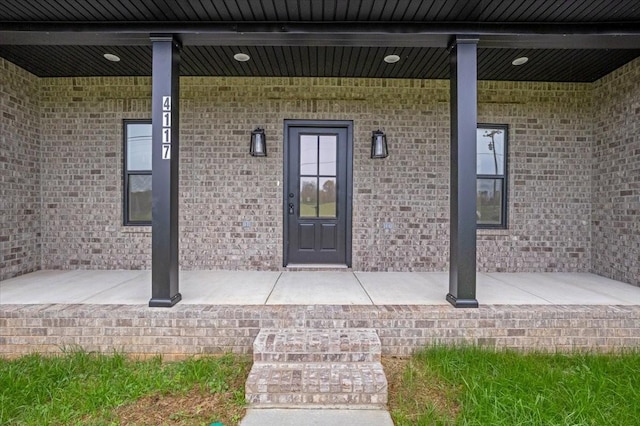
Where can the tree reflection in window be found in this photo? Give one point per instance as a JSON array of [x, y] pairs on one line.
[[308, 197], [491, 166], [318, 192]]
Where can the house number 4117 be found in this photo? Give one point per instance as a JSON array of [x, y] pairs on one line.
[[166, 127]]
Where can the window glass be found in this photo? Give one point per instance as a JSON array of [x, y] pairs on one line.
[[327, 197], [308, 155], [490, 151], [328, 155], [491, 173], [489, 201], [308, 197], [138, 146], [137, 172], [139, 193]]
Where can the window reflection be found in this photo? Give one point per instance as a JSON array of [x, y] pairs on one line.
[[140, 198], [318, 165], [308, 155], [327, 197], [489, 201], [328, 155], [138, 146], [308, 197], [137, 172], [490, 146]]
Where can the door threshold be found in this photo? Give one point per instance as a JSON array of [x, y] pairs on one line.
[[318, 265]]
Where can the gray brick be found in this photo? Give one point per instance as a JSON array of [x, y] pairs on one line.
[[569, 208]]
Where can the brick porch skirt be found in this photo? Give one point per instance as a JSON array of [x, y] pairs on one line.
[[215, 329]]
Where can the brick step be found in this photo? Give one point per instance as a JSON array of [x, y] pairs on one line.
[[329, 385], [331, 368], [317, 345]]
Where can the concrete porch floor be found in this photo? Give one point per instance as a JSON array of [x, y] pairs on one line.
[[314, 288]]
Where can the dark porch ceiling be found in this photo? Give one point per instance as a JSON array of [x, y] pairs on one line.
[[573, 41], [584, 65]]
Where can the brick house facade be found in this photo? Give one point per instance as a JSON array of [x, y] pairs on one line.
[[574, 172]]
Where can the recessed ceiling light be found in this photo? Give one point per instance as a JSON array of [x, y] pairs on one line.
[[111, 57], [241, 57], [520, 61], [391, 59]]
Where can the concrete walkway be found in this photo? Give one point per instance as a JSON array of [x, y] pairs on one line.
[[302, 417], [315, 288]]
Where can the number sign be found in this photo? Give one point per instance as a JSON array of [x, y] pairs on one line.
[[166, 127]]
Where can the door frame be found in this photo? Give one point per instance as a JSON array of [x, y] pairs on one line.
[[311, 124]]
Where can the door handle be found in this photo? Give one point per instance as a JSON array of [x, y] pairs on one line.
[[291, 208]]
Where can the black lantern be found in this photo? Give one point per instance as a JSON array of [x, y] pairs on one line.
[[258, 146], [379, 145]]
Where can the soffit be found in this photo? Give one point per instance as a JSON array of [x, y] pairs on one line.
[[565, 41], [321, 11]]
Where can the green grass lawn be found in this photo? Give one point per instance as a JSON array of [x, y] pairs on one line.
[[472, 386], [84, 388], [439, 386], [326, 210]]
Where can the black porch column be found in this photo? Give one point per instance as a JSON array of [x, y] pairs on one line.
[[464, 122], [165, 105]]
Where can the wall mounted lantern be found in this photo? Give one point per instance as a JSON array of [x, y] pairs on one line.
[[379, 145], [258, 145]]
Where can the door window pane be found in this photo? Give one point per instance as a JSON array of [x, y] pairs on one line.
[[489, 201], [139, 198], [308, 197], [327, 197], [308, 155], [490, 145], [328, 155], [138, 146]]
